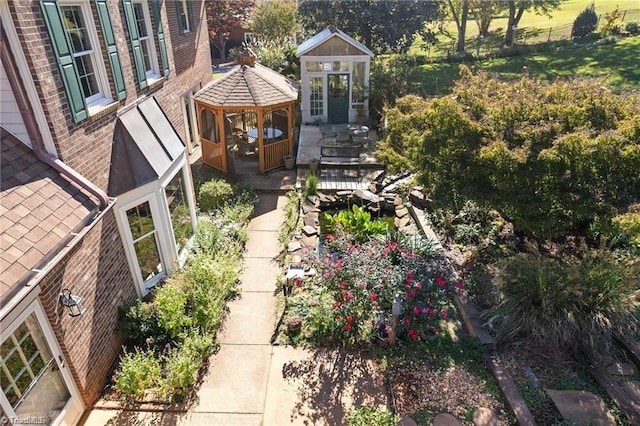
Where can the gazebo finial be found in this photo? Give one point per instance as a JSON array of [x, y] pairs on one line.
[[247, 57]]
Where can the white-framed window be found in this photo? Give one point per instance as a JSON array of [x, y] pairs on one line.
[[79, 25], [35, 383], [249, 37], [316, 97], [147, 45], [144, 236], [185, 17]]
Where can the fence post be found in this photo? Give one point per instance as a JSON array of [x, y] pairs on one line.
[[549, 37], [623, 16]]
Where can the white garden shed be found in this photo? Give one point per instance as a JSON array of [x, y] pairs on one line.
[[334, 69]]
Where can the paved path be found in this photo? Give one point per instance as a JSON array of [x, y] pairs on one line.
[[249, 381]]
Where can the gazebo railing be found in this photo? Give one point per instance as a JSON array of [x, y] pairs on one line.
[[273, 153]]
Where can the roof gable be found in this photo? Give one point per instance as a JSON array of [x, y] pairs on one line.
[[331, 40]]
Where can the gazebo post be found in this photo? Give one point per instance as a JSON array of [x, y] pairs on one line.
[[260, 111], [222, 136]]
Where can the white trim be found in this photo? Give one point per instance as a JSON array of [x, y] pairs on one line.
[[27, 78], [154, 73], [74, 407], [154, 193], [94, 102]]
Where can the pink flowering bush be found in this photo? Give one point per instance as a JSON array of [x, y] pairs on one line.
[[350, 298]]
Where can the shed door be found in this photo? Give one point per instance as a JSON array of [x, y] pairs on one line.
[[338, 98]]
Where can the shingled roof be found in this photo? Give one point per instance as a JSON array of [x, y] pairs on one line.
[[249, 86], [40, 208]]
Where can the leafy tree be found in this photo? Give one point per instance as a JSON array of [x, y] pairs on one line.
[[516, 9], [551, 158], [483, 12], [382, 25], [586, 22], [223, 17], [459, 11], [275, 20]]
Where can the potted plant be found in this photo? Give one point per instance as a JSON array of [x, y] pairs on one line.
[[289, 161]]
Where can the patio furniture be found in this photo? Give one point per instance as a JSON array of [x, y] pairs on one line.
[[269, 133]]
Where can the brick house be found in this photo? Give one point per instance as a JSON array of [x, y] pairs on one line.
[[97, 125]]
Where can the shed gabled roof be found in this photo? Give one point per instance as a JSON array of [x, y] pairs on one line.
[[249, 86], [325, 35]]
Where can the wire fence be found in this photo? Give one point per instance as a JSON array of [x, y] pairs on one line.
[[493, 43]]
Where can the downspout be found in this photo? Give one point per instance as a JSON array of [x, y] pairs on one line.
[[32, 129]]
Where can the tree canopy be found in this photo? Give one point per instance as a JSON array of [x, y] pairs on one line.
[[550, 157], [275, 20], [382, 25], [223, 17]]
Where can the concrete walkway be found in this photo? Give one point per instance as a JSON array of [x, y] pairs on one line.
[[249, 381]]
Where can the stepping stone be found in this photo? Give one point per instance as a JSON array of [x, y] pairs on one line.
[[622, 369], [402, 212], [445, 419], [309, 230], [407, 421], [309, 220], [581, 408], [484, 417], [367, 195], [294, 246]]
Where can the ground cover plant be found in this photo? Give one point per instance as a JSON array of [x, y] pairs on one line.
[[172, 332]]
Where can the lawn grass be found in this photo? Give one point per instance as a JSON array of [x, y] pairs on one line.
[[617, 63], [534, 28]]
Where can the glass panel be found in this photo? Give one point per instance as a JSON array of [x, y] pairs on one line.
[[87, 75], [38, 391], [140, 220], [142, 26], [358, 91], [340, 66], [76, 28], [148, 257], [6, 347], [315, 95], [209, 126], [46, 398], [179, 210], [314, 66]]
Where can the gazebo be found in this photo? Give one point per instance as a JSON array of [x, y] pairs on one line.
[[249, 111]]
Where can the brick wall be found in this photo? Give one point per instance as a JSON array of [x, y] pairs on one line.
[[86, 146], [96, 270]]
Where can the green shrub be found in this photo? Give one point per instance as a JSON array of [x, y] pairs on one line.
[[568, 304], [214, 195], [356, 222], [627, 228], [170, 302], [139, 322], [371, 416], [311, 184], [181, 365], [612, 23], [632, 27], [585, 23], [137, 372]]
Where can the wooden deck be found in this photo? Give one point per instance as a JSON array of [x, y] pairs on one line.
[[336, 177]]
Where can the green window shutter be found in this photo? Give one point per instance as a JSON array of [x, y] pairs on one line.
[[162, 44], [136, 48], [64, 55], [112, 50]]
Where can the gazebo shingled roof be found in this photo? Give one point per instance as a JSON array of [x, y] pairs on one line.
[[249, 86]]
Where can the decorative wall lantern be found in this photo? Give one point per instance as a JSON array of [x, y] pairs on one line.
[[72, 302]]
